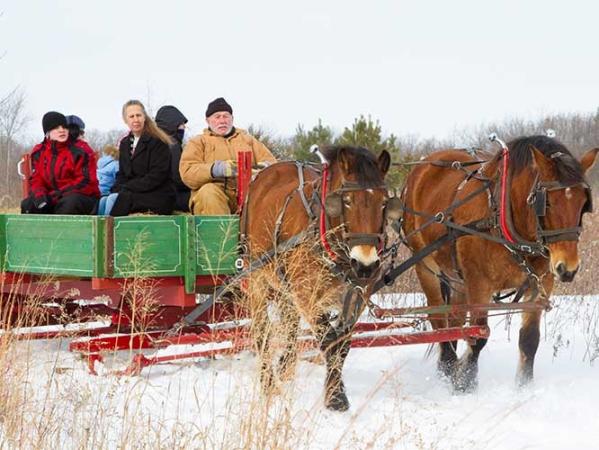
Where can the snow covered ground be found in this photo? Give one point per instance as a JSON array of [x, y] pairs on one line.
[[397, 399]]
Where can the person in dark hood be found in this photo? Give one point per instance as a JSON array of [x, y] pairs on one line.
[[172, 122], [76, 127]]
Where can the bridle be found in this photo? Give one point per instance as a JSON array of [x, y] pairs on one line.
[[333, 207], [536, 199]]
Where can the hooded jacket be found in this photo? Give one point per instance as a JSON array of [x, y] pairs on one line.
[[168, 119], [108, 167], [63, 168]]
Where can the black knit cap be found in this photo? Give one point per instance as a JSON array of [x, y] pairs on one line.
[[52, 120], [220, 104]]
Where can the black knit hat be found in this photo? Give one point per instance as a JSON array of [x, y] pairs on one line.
[[52, 120], [220, 104]]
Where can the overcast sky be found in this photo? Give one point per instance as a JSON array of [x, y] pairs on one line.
[[420, 67]]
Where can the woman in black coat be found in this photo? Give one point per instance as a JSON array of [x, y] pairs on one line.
[[144, 181]]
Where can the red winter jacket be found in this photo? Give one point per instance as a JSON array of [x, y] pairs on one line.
[[62, 168]]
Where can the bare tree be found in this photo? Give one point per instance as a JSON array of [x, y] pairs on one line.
[[12, 122], [97, 139]]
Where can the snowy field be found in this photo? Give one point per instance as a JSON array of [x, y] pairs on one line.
[[397, 400]]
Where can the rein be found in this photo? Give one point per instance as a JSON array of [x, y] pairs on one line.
[[322, 218], [504, 202]]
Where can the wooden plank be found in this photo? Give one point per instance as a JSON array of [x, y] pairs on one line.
[[217, 239], [50, 244], [149, 246], [189, 255]]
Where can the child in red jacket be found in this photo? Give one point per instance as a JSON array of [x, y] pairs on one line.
[[64, 178]]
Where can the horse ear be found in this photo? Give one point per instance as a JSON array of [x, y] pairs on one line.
[[384, 162], [540, 162], [589, 159]]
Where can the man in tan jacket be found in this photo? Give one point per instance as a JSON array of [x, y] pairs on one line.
[[209, 161]]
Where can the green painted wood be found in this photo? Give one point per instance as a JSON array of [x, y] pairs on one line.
[[190, 266], [149, 246], [51, 244], [217, 240], [100, 246], [97, 246]]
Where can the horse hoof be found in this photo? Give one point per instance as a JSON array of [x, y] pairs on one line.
[[524, 376], [337, 402], [523, 381], [465, 384], [446, 370]]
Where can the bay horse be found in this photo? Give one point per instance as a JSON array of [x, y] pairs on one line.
[[322, 253], [527, 235]]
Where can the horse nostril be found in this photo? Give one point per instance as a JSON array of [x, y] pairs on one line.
[[564, 274], [364, 271]]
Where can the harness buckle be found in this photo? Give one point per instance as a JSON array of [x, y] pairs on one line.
[[239, 264], [440, 217]]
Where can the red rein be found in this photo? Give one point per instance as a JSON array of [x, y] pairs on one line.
[[504, 193], [323, 225]]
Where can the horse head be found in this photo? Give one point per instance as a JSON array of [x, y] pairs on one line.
[[549, 196], [357, 204]]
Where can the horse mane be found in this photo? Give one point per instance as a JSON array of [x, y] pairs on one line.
[[569, 170], [364, 167]]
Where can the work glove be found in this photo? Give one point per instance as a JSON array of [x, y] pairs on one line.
[[41, 201], [224, 169]]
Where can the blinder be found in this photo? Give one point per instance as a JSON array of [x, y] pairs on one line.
[[540, 202], [394, 208], [588, 206], [333, 205]]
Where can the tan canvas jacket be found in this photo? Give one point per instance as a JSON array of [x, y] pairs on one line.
[[201, 151]]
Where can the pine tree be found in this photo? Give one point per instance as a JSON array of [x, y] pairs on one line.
[[302, 141], [368, 133]]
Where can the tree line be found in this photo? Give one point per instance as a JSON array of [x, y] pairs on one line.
[[578, 131]]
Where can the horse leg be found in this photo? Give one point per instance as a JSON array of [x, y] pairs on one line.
[[466, 377], [528, 342], [335, 349], [529, 337], [433, 290]]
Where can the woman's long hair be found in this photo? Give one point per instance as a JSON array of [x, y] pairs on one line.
[[150, 126]]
